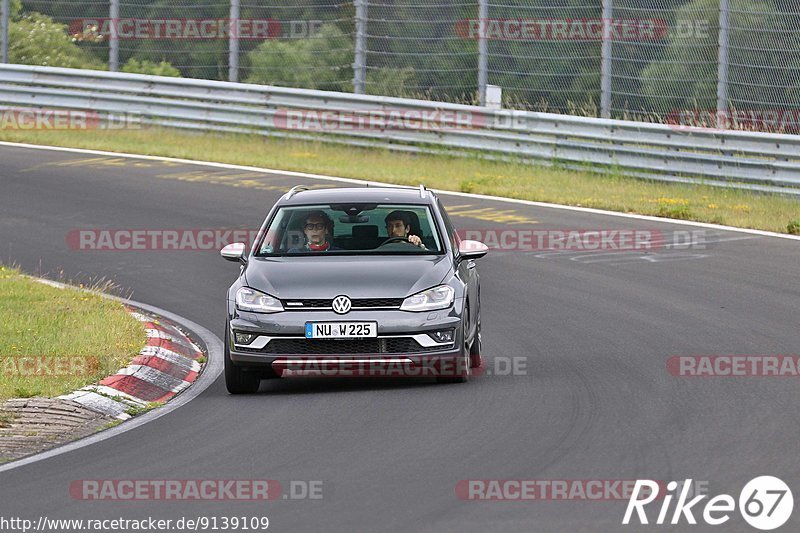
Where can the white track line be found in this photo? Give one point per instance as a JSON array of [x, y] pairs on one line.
[[210, 373], [379, 184]]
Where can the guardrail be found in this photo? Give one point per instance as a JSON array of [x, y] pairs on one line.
[[758, 161]]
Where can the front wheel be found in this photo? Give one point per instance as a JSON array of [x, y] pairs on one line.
[[237, 380], [462, 368], [476, 348]]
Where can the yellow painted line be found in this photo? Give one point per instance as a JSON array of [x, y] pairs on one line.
[[206, 176], [103, 162], [254, 180], [249, 180], [505, 216], [229, 180]]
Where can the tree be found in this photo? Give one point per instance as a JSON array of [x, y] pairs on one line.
[[322, 62], [684, 77], [764, 65]]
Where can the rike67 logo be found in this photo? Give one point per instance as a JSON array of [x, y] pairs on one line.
[[765, 503]]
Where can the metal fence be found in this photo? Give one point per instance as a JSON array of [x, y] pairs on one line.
[[725, 63], [751, 160]]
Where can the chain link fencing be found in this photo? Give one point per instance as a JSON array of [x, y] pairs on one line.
[[721, 63]]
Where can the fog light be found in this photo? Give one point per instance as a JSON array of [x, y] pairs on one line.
[[243, 338], [443, 335]]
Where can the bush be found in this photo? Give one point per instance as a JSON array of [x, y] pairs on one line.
[[390, 81], [134, 66], [793, 227], [35, 39]]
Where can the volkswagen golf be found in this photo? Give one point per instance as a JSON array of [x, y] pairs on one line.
[[369, 281]]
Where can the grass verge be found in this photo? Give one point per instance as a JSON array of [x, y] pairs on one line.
[[53, 341], [508, 179]]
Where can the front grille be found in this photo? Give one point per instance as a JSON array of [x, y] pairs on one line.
[[390, 345], [357, 302], [307, 303], [377, 302]]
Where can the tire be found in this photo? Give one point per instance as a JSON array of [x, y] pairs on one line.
[[237, 380], [476, 347]]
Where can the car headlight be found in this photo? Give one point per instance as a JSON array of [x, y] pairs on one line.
[[248, 299], [440, 297]]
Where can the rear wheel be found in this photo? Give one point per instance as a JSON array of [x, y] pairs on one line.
[[237, 379]]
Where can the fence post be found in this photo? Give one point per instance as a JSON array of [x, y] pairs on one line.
[[605, 60], [233, 42], [722, 70], [360, 63], [113, 43], [483, 51], [5, 23]]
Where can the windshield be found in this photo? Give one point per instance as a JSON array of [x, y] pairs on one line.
[[351, 229]]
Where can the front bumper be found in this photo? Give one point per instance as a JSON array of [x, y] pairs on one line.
[[402, 347]]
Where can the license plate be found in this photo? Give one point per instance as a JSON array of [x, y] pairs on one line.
[[341, 330]]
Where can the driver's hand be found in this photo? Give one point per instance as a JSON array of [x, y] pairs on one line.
[[415, 240]]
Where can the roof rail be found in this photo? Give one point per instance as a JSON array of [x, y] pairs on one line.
[[294, 190], [423, 192]]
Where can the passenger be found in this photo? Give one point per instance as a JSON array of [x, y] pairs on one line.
[[398, 224], [318, 229]]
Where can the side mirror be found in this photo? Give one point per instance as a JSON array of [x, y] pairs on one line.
[[233, 252], [472, 249]]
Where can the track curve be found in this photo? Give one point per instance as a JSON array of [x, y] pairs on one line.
[[595, 332]]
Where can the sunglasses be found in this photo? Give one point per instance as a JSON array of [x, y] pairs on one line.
[[317, 226]]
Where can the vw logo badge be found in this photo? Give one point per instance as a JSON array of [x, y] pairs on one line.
[[341, 305]]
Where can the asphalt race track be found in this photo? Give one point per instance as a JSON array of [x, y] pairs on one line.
[[593, 331]]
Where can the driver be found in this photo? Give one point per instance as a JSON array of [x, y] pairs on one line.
[[318, 229], [398, 224]]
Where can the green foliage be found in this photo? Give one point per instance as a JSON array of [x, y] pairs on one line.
[[15, 7], [793, 227], [35, 39], [322, 62], [765, 55], [137, 410], [422, 51], [680, 212], [134, 66], [687, 71], [389, 82], [207, 59]]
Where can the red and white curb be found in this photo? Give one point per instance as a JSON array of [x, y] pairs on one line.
[[167, 365]]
